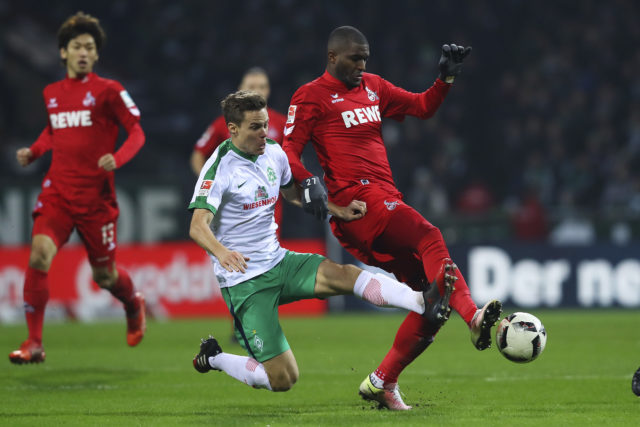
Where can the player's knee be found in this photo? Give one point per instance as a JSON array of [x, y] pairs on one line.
[[104, 279], [40, 257], [283, 379], [284, 383], [431, 240], [338, 278]]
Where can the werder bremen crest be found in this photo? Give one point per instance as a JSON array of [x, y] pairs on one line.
[[261, 193], [271, 175], [257, 341]]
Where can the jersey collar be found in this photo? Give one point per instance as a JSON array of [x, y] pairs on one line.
[[250, 157], [85, 79], [337, 84]]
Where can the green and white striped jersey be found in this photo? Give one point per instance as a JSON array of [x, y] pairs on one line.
[[241, 190]]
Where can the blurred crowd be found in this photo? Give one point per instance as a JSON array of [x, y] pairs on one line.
[[542, 127]]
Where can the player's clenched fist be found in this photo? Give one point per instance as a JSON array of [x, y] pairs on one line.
[[107, 162], [24, 156], [314, 198], [451, 61]]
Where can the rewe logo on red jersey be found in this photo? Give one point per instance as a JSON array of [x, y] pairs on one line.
[[361, 115], [71, 119]]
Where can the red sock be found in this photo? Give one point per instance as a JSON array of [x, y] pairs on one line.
[[36, 295], [412, 338], [123, 290]]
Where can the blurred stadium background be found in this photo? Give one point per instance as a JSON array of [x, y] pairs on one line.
[[531, 168]]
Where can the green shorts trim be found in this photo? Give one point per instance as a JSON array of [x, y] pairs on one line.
[[254, 303]]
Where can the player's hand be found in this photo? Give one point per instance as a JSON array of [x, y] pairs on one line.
[[451, 61], [314, 198], [233, 261], [23, 156], [355, 210], [107, 162]]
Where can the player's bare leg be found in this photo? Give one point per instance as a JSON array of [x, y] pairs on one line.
[[36, 295], [375, 288], [118, 282]]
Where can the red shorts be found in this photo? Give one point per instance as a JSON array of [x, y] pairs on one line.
[[397, 250], [56, 217]]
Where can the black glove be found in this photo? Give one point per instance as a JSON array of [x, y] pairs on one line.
[[451, 61], [314, 198]]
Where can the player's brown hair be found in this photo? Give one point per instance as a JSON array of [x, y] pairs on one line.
[[235, 104], [81, 23]]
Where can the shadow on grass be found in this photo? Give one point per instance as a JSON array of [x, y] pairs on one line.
[[92, 378]]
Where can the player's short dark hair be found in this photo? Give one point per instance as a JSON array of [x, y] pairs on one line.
[[81, 23], [235, 104], [341, 37]]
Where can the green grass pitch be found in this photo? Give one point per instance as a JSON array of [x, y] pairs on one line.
[[92, 378]]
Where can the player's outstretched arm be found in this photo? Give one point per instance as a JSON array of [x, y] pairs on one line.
[[450, 63], [200, 232]]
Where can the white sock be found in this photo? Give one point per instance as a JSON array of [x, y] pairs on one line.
[[383, 291], [376, 380], [242, 368]]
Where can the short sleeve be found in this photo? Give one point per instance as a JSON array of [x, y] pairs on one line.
[[286, 178], [212, 183]]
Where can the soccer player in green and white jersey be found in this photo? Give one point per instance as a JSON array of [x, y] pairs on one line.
[[233, 206]]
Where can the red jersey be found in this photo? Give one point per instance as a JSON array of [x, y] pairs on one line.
[[84, 116], [344, 126], [217, 132]]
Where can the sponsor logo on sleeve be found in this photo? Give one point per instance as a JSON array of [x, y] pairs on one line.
[[205, 187], [128, 102], [291, 115]]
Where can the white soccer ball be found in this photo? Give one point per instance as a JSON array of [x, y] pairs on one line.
[[521, 337]]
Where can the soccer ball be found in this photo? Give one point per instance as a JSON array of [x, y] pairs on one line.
[[521, 337]]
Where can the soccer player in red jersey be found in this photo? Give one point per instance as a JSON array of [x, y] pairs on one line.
[[85, 112], [341, 113]]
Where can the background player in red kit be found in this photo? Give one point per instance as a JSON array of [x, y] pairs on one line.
[[85, 112], [341, 112], [254, 79]]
